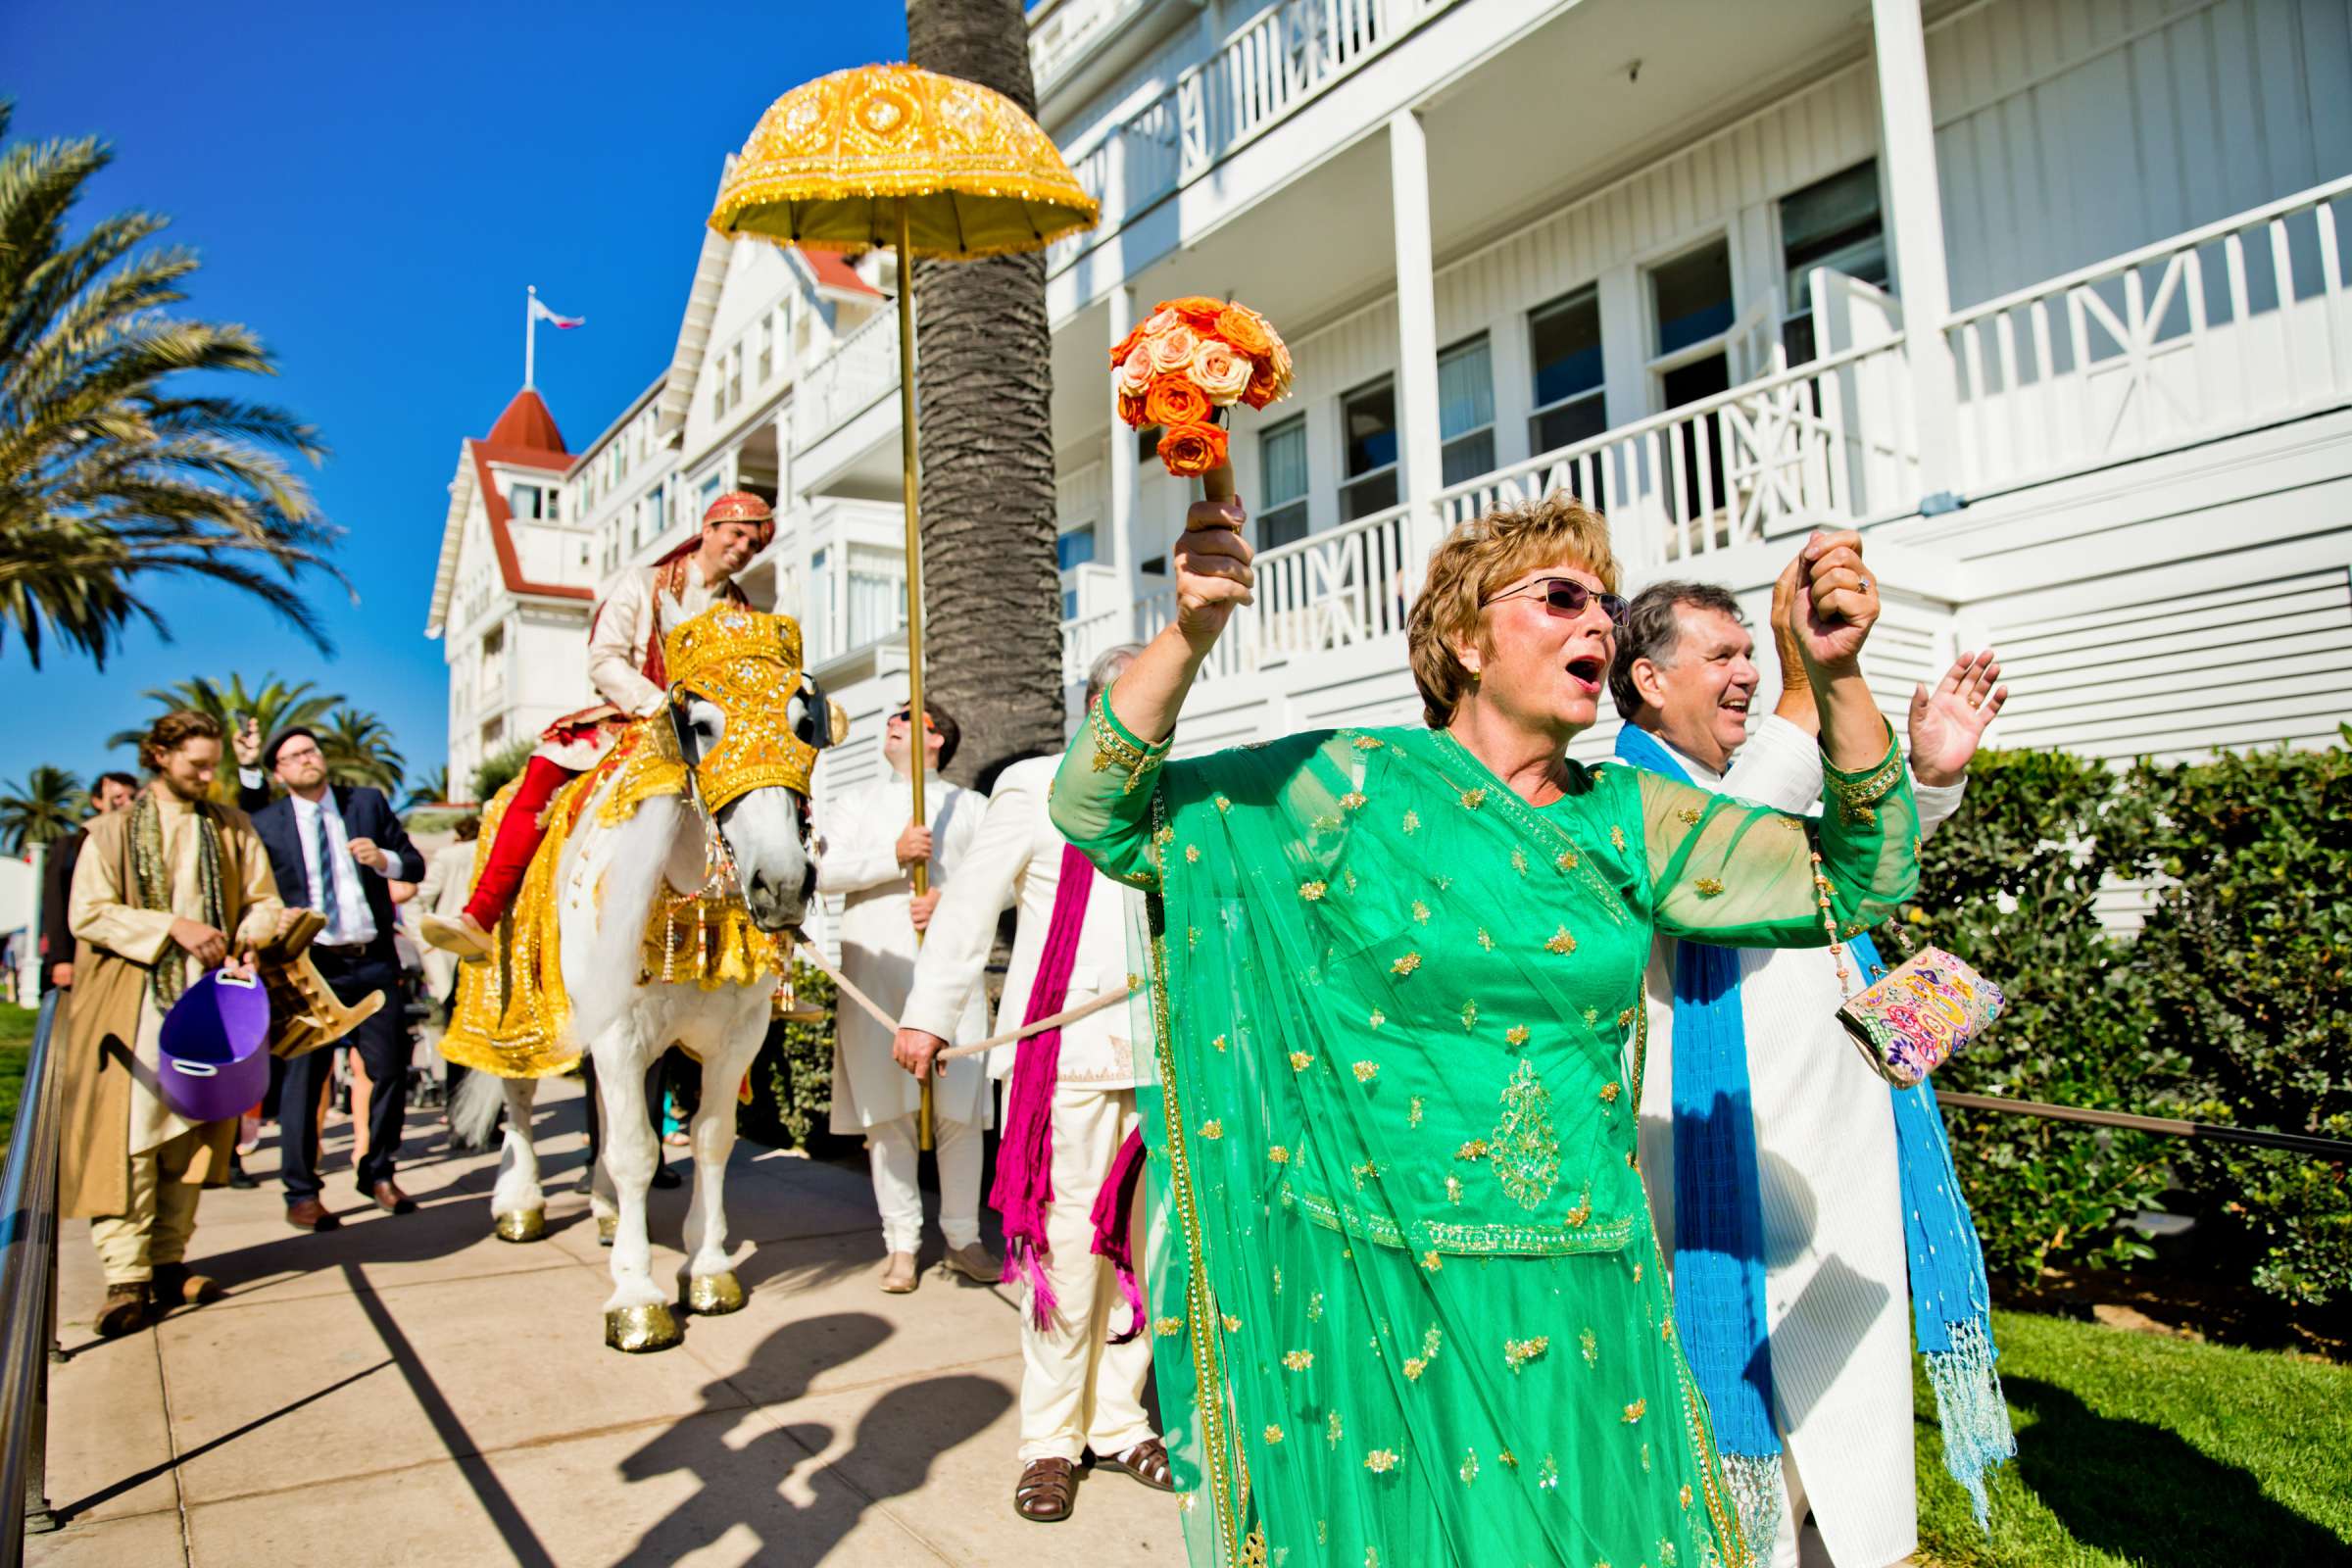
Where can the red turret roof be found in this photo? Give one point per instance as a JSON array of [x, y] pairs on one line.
[[527, 426]]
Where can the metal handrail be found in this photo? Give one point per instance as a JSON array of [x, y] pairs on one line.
[[29, 1298]]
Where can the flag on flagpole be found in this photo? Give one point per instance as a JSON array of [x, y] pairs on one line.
[[540, 312]]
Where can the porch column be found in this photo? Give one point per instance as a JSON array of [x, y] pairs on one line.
[[1416, 332], [1119, 472], [1907, 143]]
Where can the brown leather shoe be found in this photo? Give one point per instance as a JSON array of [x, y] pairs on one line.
[[310, 1214], [125, 1311], [391, 1200], [1045, 1491], [1147, 1461], [174, 1285]]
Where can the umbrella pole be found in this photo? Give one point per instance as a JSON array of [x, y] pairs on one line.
[[918, 735]]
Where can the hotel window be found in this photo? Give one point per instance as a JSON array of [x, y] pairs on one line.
[[1564, 340], [1466, 410], [1075, 548], [816, 610], [877, 606], [1368, 426], [1691, 298], [707, 493], [718, 391], [531, 502], [767, 346], [1834, 222], [735, 375], [1282, 483]]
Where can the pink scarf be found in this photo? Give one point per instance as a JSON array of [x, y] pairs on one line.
[[1024, 1184]]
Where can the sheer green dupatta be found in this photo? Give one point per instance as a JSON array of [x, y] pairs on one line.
[[1397, 1280]]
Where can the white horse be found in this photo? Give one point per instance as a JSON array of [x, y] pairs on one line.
[[606, 885]]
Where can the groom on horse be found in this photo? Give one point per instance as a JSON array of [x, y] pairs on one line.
[[624, 664]]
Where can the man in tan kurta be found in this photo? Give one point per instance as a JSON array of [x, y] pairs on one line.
[[128, 1162]]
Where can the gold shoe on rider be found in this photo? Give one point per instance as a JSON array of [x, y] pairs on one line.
[[460, 936]]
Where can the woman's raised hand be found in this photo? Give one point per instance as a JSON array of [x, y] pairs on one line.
[[1836, 603], [1213, 571]]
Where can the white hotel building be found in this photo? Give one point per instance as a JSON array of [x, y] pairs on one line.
[[2048, 297]]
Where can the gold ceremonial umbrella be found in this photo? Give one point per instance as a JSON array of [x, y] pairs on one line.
[[930, 165]]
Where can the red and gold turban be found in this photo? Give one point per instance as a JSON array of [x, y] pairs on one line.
[[741, 505]]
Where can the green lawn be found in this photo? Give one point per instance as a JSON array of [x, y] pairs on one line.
[[2149, 1452], [16, 1039]]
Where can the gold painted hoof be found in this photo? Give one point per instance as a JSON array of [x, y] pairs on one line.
[[713, 1295], [606, 1226], [638, 1329], [522, 1225]]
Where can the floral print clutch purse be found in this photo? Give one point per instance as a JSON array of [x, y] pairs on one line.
[[1920, 1012]]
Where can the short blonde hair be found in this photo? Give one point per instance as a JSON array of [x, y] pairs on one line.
[[1479, 558]]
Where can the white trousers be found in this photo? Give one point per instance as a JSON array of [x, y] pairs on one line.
[[1079, 1392], [901, 1199]]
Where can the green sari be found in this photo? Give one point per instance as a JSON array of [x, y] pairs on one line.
[[1406, 1303]]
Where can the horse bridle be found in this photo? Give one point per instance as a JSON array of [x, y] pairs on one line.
[[814, 729]]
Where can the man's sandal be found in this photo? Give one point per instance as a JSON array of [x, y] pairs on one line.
[[1147, 1461], [1045, 1491]]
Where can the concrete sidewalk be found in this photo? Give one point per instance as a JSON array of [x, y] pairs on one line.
[[414, 1391]]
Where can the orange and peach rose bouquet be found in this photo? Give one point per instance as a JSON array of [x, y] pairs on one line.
[[1192, 359]]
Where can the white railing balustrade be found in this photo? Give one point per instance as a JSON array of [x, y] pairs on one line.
[[845, 383], [2221, 328], [1830, 441], [1265, 70]]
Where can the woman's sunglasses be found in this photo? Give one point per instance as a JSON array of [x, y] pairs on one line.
[[1565, 595]]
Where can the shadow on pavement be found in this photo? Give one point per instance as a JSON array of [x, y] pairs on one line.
[[748, 1484]]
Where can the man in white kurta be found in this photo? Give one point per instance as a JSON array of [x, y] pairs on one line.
[[1837, 1286], [1078, 1390], [867, 845]]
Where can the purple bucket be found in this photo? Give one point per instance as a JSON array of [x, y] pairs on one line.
[[213, 1063]]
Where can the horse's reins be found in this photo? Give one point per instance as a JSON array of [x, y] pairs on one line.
[[841, 982]]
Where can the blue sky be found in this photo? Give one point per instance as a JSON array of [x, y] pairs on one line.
[[372, 188]]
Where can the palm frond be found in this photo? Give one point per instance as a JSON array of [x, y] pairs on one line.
[[112, 479]]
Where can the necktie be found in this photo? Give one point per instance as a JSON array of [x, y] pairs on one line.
[[326, 877]]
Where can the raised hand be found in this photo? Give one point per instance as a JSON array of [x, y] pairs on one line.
[[1213, 574], [1948, 724], [246, 742], [1836, 604]]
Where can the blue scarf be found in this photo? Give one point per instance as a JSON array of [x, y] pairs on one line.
[[1719, 1237]]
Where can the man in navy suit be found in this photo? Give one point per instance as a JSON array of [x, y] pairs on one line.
[[336, 849]]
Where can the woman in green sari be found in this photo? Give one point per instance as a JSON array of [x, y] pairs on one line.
[[1407, 1305]]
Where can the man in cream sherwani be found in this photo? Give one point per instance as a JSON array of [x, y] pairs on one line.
[[1836, 1282], [1078, 1390], [868, 844]]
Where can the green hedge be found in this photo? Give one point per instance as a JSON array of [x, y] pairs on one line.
[[790, 1106], [2230, 1006]]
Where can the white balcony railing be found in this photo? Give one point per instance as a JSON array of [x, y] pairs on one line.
[[1828, 441], [1267, 69], [2223, 328], [845, 383]]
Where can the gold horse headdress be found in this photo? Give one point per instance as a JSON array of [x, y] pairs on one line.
[[749, 664]]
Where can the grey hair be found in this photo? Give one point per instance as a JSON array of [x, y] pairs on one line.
[[1106, 669], [1653, 630]]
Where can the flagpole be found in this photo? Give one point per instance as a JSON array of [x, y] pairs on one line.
[[530, 333]]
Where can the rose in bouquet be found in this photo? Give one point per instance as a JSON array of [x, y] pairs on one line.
[[1192, 359]]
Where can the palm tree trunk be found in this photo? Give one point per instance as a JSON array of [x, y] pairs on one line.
[[993, 590]]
